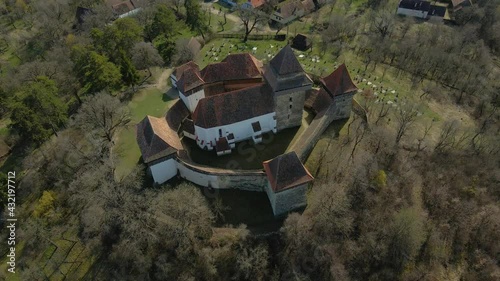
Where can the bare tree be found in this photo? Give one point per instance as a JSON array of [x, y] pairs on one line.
[[250, 19], [382, 23], [405, 115], [448, 134], [102, 115]]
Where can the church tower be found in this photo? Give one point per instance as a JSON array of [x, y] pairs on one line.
[[289, 83]]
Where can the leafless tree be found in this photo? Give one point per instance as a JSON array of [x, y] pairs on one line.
[[449, 131], [102, 115], [250, 19], [382, 22], [405, 115]]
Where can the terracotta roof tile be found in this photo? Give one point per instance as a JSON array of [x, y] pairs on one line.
[[257, 3], [188, 126], [338, 82], [155, 139], [180, 69], [190, 79], [317, 100], [235, 106], [233, 67], [286, 171], [176, 114], [285, 62]]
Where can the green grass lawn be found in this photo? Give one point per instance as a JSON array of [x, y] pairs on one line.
[[146, 102]]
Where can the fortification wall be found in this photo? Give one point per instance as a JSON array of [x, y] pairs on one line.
[[251, 180]]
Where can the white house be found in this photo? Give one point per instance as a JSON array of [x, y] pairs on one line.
[[414, 8], [287, 183], [159, 145], [291, 10], [234, 116]]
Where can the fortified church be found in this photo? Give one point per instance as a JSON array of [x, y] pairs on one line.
[[240, 99]]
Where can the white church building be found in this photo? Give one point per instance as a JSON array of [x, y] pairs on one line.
[[240, 99]]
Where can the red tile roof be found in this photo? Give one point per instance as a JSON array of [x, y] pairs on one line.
[[187, 126], [317, 100], [285, 62], [235, 106], [286, 171], [190, 79], [155, 139], [233, 67], [180, 69], [257, 3], [338, 82]]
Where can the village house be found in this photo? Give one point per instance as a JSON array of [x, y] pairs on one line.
[[292, 10], [422, 9], [123, 8], [253, 4]]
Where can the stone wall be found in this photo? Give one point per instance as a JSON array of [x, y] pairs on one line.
[[342, 106], [287, 200], [289, 108], [251, 180]]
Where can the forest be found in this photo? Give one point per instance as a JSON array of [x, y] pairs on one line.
[[410, 193]]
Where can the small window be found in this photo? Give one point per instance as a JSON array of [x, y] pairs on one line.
[[290, 99], [220, 133], [290, 106]]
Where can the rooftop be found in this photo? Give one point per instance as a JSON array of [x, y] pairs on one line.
[[286, 171], [155, 139], [338, 82], [235, 106], [418, 5], [190, 79], [285, 62]]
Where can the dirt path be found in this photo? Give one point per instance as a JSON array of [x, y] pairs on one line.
[[162, 83]]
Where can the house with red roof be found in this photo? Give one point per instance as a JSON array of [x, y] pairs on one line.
[[253, 4]]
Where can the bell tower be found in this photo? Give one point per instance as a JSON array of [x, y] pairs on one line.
[[289, 82]]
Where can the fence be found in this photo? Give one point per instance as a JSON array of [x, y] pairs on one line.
[[278, 37]]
